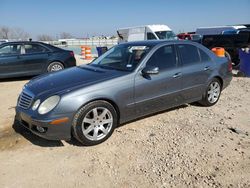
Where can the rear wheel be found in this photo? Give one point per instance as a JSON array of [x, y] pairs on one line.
[[55, 66], [94, 123], [212, 94]]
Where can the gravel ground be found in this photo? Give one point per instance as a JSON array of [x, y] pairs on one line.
[[189, 146]]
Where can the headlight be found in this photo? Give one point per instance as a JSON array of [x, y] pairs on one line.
[[49, 104], [36, 104]]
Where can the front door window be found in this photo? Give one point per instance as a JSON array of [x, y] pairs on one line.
[[12, 49]]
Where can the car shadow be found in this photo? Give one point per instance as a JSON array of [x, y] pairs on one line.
[[75, 142], [34, 139], [197, 104], [16, 79]]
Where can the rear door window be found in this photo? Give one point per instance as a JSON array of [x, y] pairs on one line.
[[204, 56], [189, 54], [164, 58], [34, 48], [13, 49]]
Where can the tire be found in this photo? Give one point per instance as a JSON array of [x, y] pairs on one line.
[[88, 124], [212, 93], [55, 66]]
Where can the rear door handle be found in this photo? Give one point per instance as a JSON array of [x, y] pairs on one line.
[[207, 68], [177, 75]]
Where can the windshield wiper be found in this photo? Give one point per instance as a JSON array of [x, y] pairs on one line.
[[111, 68]]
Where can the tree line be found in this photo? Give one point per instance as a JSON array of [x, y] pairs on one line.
[[19, 34]]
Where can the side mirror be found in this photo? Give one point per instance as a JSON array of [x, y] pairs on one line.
[[150, 70]]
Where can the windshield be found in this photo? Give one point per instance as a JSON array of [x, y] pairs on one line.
[[122, 57], [169, 35]]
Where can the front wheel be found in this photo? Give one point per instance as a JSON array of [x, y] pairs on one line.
[[94, 123], [212, 94]]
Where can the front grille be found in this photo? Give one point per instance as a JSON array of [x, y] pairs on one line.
[[25, 100]]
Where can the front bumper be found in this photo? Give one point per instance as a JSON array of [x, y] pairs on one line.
[[60, 131]]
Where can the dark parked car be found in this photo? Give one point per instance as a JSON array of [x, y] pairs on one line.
[[231, 42], [130, 80], [32, 58]]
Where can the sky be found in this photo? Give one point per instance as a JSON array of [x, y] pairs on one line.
[[83, 18]]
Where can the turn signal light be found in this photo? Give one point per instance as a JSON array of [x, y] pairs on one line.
[[59, 121]]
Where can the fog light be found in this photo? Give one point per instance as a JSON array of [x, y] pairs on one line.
[[40, 129]]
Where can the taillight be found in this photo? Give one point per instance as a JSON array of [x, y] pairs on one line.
[[230, 66], [71, 54]]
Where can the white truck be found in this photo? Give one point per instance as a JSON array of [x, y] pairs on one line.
[[146, 32], [217, 30]]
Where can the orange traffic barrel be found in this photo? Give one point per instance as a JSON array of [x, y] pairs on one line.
[[220, 52], [86, 52], [83, 51], [88, 55]]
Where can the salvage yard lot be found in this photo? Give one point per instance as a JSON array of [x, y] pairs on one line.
[[184, 147]]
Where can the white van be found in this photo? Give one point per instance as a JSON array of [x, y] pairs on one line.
[[217, 30], [147, 32]]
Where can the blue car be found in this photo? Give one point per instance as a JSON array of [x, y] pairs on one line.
[[129, 81], [26, 58]]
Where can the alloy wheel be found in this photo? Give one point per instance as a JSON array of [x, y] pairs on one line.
[[213, 92], [97, 123], [56, 67]]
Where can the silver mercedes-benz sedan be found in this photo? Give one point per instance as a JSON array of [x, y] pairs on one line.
[[130, 80]]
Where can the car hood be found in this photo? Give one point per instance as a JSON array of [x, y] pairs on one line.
[[70, 79]]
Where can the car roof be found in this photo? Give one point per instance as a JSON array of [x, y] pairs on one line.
[[23, 42], [158, 42], [53, 48]]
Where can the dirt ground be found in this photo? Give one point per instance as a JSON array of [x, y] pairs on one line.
[[190, 146]]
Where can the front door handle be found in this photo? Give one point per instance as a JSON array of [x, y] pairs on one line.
[[177, 75], [207, 68]]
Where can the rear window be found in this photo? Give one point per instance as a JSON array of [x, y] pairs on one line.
[[189, 54]]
